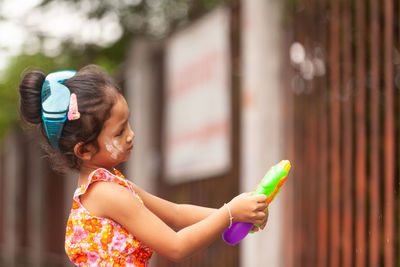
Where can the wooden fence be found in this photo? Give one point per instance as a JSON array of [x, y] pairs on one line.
[[346, 108]]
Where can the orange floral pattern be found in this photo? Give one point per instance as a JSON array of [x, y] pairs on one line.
[[95, 241]]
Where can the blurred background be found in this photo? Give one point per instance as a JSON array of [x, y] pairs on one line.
[[219, 91]]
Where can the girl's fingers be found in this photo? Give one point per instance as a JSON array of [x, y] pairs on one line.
[[260, 198], [260, 222], [255, 228], [262, 206], [260, 217], [262, 226]]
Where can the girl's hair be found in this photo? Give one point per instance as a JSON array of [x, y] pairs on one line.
[[96, 94]]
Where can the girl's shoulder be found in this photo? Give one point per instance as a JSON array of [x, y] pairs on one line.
[[103, 175], [102, 192]]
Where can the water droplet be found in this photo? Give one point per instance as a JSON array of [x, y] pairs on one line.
[[297, 53]]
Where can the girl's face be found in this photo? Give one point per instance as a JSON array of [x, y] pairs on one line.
[[116, 138]]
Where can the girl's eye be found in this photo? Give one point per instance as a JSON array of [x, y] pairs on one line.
[[121, 132]]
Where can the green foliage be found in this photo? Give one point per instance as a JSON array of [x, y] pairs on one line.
[[111, 58], [20, 65]]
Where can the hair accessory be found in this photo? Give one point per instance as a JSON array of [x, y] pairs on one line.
[[73, 113], [55, 102]]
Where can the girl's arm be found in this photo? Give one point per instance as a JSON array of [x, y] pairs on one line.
[[177, 216], [113, 201]]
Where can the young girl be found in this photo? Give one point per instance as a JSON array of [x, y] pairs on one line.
[[113, 222]]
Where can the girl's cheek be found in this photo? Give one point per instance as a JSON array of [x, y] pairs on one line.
[[117, 145], [114, 153], [114, 148]]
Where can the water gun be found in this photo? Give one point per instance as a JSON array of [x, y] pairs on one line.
[[269, 186]]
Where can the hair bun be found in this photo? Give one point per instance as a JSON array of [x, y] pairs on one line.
[[30, 90]]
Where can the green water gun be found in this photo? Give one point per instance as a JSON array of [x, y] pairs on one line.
[[269, 186]]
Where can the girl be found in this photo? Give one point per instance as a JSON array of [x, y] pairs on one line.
[[113, 222]]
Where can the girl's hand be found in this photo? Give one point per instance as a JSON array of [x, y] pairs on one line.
[[248, 208], [261, 226]]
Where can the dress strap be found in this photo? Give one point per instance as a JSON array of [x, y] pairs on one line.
[[103, 175]]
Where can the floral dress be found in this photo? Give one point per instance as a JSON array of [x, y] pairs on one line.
[[96, 241]]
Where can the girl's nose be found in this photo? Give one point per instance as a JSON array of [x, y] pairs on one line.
[[130, 136]]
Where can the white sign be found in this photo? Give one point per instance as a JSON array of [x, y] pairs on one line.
[[197, 135]]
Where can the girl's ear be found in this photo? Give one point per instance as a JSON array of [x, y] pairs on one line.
[[83, 152]]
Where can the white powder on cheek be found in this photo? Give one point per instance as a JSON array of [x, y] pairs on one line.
[[115, 149], [114, 152], [117, 145]]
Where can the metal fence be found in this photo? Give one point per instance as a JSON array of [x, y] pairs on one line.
[[344, 58]]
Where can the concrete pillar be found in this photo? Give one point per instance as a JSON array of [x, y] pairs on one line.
[[262, 143], [142, 81]]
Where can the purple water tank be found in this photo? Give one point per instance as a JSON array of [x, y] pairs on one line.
[[236, 232]]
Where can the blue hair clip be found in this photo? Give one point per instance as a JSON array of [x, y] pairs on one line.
[[55, 102]]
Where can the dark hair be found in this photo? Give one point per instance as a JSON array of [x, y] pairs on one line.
[[96, 94]]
